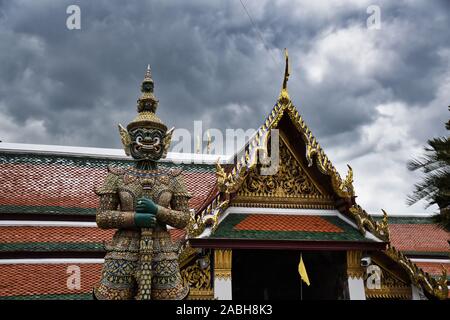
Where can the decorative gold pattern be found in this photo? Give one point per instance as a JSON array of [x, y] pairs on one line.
[[201, 294], [365, 221], [354, 269], [212, 219], [187, 253], [388, 292], [392, 286], [290, 181], [222, 263], [197, 277], [125, 139], [284, 203], [209, 217], [435, 287], [195, 225]]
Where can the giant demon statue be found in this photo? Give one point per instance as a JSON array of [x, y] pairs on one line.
[[140, 201]]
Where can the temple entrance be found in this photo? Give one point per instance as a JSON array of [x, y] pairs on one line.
[[273, 275]]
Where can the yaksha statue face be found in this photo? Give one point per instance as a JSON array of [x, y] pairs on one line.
[[146, 137], [147, 143]]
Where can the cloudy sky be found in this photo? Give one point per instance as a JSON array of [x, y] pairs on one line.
[[372, 97]]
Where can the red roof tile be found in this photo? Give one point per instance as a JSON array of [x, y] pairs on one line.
[[273, 222], [434, 268], [72, 186], [54, 234], [31, 234], [31, 279], [419, 237]]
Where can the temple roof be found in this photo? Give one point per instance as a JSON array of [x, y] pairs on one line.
[[27, 241], [63, 184], [419, 236], [300, 230]]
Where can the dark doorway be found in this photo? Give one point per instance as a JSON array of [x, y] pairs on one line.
[[273, 275]]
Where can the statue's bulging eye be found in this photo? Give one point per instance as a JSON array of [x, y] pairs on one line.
[[138, 139]]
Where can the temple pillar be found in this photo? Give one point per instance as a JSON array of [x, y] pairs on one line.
[[355, 274], [222, 274]]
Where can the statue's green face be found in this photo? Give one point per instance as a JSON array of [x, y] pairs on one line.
[[147, 143]]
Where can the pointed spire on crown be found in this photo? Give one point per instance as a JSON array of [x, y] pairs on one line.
[[147, 105]]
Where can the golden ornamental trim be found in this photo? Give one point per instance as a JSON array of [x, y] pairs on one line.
[[389, 293], [208, 217], [195, 225], [365, 221], [253, 203], [211, 216], [201, 294], [354, 269], [187, 253], [435, 287], [222, 263]]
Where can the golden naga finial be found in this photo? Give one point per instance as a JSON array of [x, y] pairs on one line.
[[284, 95]]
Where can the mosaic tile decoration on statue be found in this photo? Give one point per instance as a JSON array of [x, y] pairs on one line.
[[64, 185]]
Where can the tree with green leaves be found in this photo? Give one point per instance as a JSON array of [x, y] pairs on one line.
[[435, 186]]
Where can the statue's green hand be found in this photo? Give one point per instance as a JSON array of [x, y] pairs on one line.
[[145, 205], [144, 220]]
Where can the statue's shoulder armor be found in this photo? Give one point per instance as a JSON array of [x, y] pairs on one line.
[[177, 183], [116, 171], [111, 181], [175, 172]]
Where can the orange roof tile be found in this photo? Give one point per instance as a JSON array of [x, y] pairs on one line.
[[419, 237], [434, 268], [54, 234], [273, 222], [31, 279], [34, 181], [42, 234]]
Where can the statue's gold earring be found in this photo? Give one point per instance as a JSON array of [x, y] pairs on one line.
[[166, 142], [125, 138]]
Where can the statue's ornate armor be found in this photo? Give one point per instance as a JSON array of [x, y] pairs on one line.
[[141, 201], [117, 206]]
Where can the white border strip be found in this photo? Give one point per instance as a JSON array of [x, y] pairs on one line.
[[430, 260], [30, 223], [53, 261], [404, 215], [177, 157]]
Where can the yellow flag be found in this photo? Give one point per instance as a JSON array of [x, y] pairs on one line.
[[302, 271]]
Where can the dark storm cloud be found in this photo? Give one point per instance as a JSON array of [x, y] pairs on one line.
[[351, 84], [205, 56]]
